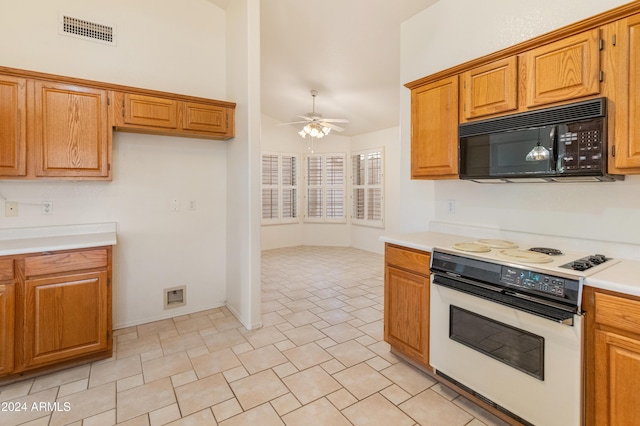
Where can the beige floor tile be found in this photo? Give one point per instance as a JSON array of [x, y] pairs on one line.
[[263, 415], [223, 339], [285, 404], [429, 408], [235, 374], [258, 389], [350, 353], [60, 378], [193, 324], [108, 418], [261, 359], [242, 348], [332, 366], [335, 316], [156, 327], [395, 394], [144, 399], [318, 413], [182, 342], [24, 407], [378, 363], [183, 378], [362, 380], [142, 420], [85, 404], [376, 411], [203, 393], [15, 390], [374, 329], [264, 336], [298, 319], [114, 370], [215, 362], [74, 387], [130, 382], [341, 399], [270, 319], [138, 346], [340, 333], [226, 323], [284, 370], [226, 409], [42, 421], [311, 384], [444, 391], [408, 378], [166, 366], [164, 415], [304, 334], [306, 356], [201, 418]]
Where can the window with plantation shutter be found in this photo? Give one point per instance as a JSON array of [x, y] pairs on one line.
[[325, 187], [367, 174], [279, 188]]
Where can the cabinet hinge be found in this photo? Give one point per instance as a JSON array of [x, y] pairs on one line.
[[613, 150], [123, 107], [601, 44], [601, 76], [109, 167], [108, 101], [464, 84], [108, 282], [613, 39], [108, 334]]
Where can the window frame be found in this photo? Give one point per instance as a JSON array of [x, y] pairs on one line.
[[367, 187], [280, 188], [325, 188]]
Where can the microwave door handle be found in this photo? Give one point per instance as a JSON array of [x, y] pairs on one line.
[[554, 148]]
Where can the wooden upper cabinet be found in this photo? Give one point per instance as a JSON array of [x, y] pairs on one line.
[[71, 134], [622, 84], [490, 89], [564, 70], [206, 118], [172, 116], [13, 126], [150, 111], [434, 130]]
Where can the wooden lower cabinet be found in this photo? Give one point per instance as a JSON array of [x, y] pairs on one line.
[[612, 358], [7, 313], [65, 317], [57, 309], [406, 302]]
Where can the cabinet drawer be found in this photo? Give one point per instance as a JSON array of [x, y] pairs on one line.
[[64, 262], [413, 260], [618, 312], [205, 118], [6, 269], [150, 111]]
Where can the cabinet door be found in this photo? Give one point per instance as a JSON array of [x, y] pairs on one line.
[[65, 317], [13, 126], [150, 111], [564, 70], [406, 307], [72, 134], [490, 89], [617, 379], [7, 314], [204, 118], [623, 47], [434, 130]]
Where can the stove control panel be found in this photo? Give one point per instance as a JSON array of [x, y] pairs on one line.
[[530, 280]]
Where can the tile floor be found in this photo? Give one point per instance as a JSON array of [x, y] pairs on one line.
[[318, 360]]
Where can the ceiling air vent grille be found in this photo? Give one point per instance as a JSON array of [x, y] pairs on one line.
[[87, 30]]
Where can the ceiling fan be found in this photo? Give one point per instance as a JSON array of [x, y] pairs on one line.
[[315, 125]]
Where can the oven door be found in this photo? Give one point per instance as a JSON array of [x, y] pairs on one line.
[[527, 366]]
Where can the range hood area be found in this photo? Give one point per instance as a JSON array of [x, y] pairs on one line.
[[565, 144]]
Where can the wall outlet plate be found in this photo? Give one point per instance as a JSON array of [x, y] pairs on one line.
[[46, 207], [10, 208]]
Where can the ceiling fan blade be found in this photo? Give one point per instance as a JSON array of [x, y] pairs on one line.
[[332, 126], [293, 122], [335, 120], [306, 117]]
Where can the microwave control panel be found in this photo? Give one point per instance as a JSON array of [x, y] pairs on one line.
[[582, 143]]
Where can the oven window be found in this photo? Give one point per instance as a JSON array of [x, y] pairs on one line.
[[515, 347]]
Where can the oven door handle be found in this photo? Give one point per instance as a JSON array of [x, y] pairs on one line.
[[507, 298]]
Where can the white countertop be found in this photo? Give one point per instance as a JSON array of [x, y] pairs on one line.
[[51, 238], [623, 277]]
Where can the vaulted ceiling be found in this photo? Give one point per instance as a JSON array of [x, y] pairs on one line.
[[347, 50]]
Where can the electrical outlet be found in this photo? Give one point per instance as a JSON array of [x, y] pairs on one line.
[[10, 208], [46, 207], [193, 205], [175, 205], [451, 206]]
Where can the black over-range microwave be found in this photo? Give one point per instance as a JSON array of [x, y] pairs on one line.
[[567, 143]]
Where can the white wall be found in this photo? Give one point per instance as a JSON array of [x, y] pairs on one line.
[[454, 31], [165, 45], [243, 179]]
